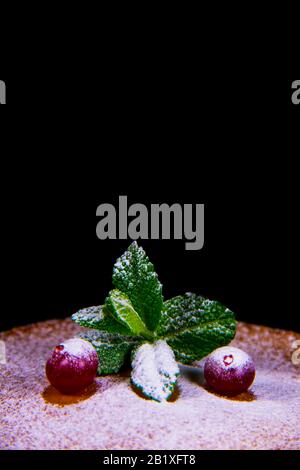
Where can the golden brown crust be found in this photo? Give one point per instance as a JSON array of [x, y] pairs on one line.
[[109, 415]]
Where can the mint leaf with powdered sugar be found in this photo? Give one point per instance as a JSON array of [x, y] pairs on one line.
[[120, 307], [135, 320], [154, 370], [134, 275], [99, 318], [194, 326], [113, 349]]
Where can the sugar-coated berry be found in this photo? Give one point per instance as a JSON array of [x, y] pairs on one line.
[[72, 366], [229, 370]]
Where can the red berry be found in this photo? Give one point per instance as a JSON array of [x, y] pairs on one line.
[[72, 366], [229, 370]]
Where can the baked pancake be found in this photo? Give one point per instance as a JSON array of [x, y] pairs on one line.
[[111, 415]]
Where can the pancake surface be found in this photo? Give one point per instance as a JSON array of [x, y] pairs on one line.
[[110, 415]]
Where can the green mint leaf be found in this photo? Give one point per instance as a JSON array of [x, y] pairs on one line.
[[134, 275], [100, 319], [154, 370], [120, 307], [194, 326], [113, 350]]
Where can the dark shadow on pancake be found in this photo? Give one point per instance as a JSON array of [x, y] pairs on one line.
[[193, 374], [54, 397], [125, 371], [175, 395], [242, 397]]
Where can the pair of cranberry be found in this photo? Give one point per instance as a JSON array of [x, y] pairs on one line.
[[74, 363]]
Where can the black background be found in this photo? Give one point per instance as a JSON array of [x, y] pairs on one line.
[[72, 142]]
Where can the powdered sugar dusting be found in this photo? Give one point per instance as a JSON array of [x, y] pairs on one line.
[[78, 347], [223, 356]]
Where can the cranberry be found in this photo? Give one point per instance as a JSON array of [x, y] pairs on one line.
[[229, 370], [72, 366]]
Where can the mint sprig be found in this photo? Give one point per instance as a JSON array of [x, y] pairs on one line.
[[135, 320]]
